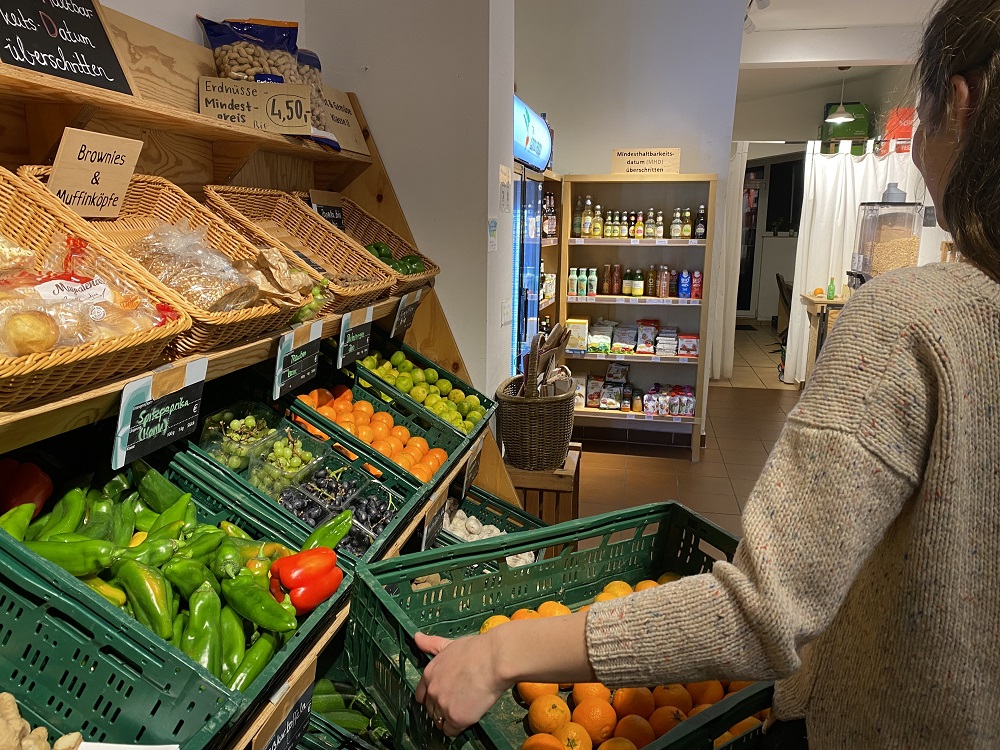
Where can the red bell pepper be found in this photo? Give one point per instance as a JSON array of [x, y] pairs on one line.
[[309, 578], [22, 483]]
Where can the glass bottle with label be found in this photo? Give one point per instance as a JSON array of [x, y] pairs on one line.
[[651, 281], [588, 218], [627, 283], [631, 225], [638, 283], [701, 224], [607, 226], [649, 231], [659, 225], [640, 226], [676, 226], [597, 224], [663, 282], [577, 218], [592, 283], [605, 286], [616, 227], [616, 279], [686, 227], [571, 283]]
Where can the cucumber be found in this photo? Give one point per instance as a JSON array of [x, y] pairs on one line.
[[350, 721], [324, 687], [327, 702]]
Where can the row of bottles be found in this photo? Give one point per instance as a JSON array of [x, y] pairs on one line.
[[550, 224], [658, 281], [588, 223]]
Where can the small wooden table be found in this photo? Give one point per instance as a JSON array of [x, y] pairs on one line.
[[823, 313], [553, 496]]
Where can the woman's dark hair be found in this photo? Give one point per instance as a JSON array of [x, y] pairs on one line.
[[963, 38]]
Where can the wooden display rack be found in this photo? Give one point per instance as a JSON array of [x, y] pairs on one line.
[[617, 191], [192, 150]]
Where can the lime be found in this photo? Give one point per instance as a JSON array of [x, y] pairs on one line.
[[375, 353], [404, 383], [472, 401], [432, 398], [464, 408], [440, 407], [433, 389], [431, 375], [405, 366], [397, 358], [418, 375], [385, 366], [391, 378], [418, 393], [369, 362], [444, 386], [452, 406], [480, 410], [468, 426], [474, 417], [456, 395], [455, 418]]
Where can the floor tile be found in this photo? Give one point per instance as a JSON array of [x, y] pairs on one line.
[[746, 458], [650, 488], [688, 485], [703, 503], [743, 471], [738, 444], [742, 488], [642, 464], [729, 521]]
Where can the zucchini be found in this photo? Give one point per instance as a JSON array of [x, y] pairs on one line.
[[350, 721], [327, 702]]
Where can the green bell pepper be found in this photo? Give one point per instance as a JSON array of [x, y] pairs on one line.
[[202, 543], [180, 625], [257, 605], [99, 518], [158, 491], [78, 558], [228, 560], [17, 520], [122, 523], [202, 639], [234, 644], [331, 533], [117, 486], [150, 595], [189, 575], [179, 511], [67, 515], [256, 658]]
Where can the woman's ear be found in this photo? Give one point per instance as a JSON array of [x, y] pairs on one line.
[[960, 106]]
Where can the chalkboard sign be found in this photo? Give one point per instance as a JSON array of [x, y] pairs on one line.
[[328, 205], [158, 409], [355, 336], [64, 38], [293, 728], [404, 313], [471, 467], [298, 358]]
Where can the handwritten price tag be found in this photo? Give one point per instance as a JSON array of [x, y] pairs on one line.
[[405, 312], [298, 358], [355, 336], [284, 108]]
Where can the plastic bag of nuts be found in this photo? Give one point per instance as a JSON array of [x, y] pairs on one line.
[[255, 51], [310, 71]]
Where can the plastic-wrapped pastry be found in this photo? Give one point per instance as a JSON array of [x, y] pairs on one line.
[[203, 276], [13, 257]]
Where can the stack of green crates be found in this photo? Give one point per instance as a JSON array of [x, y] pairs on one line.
[[630, 545], [490, 510]]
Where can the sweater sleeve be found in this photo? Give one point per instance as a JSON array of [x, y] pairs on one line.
[[849, 458]]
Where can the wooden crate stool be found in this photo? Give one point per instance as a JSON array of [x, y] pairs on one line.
[[553, 496]]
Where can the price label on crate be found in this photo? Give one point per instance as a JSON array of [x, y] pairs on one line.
[[405, 312], [290, 717], [355, 336], [298, 358], [158, 409]]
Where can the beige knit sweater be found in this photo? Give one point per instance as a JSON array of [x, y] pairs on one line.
[[872, 537]]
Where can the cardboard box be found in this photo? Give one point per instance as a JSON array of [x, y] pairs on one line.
[[578, 330]]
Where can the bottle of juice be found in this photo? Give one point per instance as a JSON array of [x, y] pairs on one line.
[[607, 226], [577, 218], [701, 224], [606, 279], [651, 281], [686, 226], [597, 225], [627, 283], [638, 284], [592, 283], [676, 226], [616, 279], [631, 225], [696, 283], [616, 226], [640, 226], [571, 283], [588, 218], [649, 231], [659, 225]]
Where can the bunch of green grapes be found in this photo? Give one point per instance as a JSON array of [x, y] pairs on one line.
[[281, 466], [238, 436]]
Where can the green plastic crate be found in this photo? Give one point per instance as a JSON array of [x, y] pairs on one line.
[[631, 545], [386, 346], [413, 419]]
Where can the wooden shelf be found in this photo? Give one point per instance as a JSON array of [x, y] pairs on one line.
[[26, 425], [636, 358], [605, 299], [628, 416], [551, 176], [546, 303], [619, 242], [550, 242]]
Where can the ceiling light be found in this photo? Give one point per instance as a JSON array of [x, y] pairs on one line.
[[763, 4], [749, 26], [840, 115]]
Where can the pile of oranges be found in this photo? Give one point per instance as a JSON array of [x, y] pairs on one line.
[[377, 429], [628, 718]]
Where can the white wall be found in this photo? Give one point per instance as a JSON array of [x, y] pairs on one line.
[[178, 16]]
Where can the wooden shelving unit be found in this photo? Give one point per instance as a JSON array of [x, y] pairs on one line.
[[690, 316], [550, 242]]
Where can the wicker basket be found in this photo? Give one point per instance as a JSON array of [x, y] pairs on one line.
[[366, 229], [280, 218], [35, 225], [535, 432], [151, 202]]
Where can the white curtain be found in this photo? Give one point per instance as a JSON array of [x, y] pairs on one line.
[[835, 185], [726, 269]]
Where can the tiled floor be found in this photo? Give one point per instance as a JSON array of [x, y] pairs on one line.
[[755, 361], [741, 432]]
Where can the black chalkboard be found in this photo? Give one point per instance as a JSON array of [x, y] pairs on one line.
[[159, 423], [355, 336], [64, 38]]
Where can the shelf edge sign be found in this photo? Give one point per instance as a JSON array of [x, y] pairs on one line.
[[532, 140], [298, 358], [158, 409], [355, 336]]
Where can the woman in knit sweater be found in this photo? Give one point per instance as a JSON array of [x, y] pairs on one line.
[[867, 579]]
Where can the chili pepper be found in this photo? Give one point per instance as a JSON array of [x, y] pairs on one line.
[[176, 512], [331, 533], [17, 520], [255, 604], [170, 531], [227, 561], [310, 577], [189, 575], [117, 486], [234, 644], [256, 658], [154, 552], [180, 625], [233, 530], [36, 527], [23, 483], [190, 518], [71, 537], [99, 516], [122, 523], [150, 595], [67, 515], [78, 558], [260, 567], [145, 519], [112, 593], [202, 639], [202, 543], [158, 491], [276, 550]]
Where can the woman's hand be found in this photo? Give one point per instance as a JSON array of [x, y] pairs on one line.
[[462, 681]]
